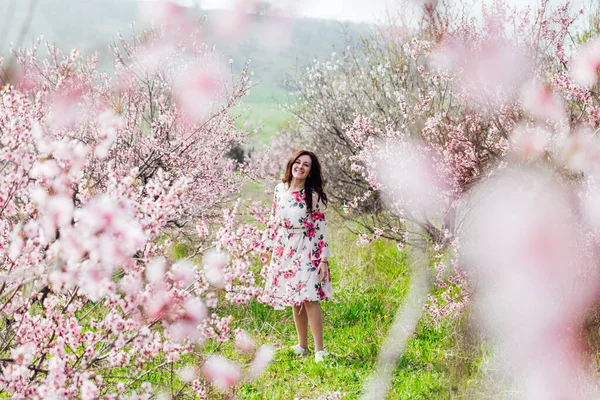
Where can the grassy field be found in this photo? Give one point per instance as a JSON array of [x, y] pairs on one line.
[[264, 114], [370, 283]]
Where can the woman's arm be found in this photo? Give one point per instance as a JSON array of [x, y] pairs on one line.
[[321, 250]]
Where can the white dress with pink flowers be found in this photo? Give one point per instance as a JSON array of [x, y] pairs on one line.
[[298, 241]]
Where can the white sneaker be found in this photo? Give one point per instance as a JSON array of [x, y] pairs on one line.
[[320, 355], [299, 350]]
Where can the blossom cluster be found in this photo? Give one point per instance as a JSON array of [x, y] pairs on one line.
[[444, 104], [500, 177], [100, 175]]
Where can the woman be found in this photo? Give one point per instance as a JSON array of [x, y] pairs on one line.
[[298, 273]]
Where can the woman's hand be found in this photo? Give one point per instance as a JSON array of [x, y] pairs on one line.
[[323, 271]]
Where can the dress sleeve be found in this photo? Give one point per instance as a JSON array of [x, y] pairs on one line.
[[271, 230], [320, 242]]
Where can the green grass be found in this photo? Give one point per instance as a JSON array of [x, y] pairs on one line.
[[264, 114], [370, 283]]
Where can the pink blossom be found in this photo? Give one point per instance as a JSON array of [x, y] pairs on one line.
[[183, 272], [221, 372], [487, 71], [66, 102], [202, 230], [45, 169], [110, 123], [408, 173], [244, 342], [58, 212], [147, 60], [262, 360], [531, 260], [187, 320], [585, 66], [542, 103], [89, 390], [155, 270], [130, 285], [168, 14], [197, 91], [531, 142], [214, 264], [82, 234], [158, 304], [187, 374], [232, 24], [580, 151]]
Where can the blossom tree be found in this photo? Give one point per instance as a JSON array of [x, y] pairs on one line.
[[512, 198], [451, 82], [458, 86], [441, 134], [100, 175]]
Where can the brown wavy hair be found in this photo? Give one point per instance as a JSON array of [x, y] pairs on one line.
[[314, 182]]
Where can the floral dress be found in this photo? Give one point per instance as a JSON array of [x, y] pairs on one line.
[[298, 240]]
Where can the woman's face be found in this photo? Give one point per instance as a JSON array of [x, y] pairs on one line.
[[301, 167]]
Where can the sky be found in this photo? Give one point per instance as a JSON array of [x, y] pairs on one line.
[[349, 10]]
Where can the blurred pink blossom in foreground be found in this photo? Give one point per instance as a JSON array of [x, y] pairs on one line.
[[535, 276], [487, 71], [543, 103], [232, 24], [506, 147], [530, 142], [168, 14], [198, 90], [402, 168], [585, 67], [221, 372]]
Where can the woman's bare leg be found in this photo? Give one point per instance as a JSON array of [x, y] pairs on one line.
[[315, 318], [301, 322]]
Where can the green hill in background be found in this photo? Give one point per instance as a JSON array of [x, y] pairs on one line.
[[92, 25], [310, 39]]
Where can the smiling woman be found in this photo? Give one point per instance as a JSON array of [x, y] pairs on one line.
[[298, 274]]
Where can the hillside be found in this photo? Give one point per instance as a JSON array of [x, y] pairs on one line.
[[92, 25]]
